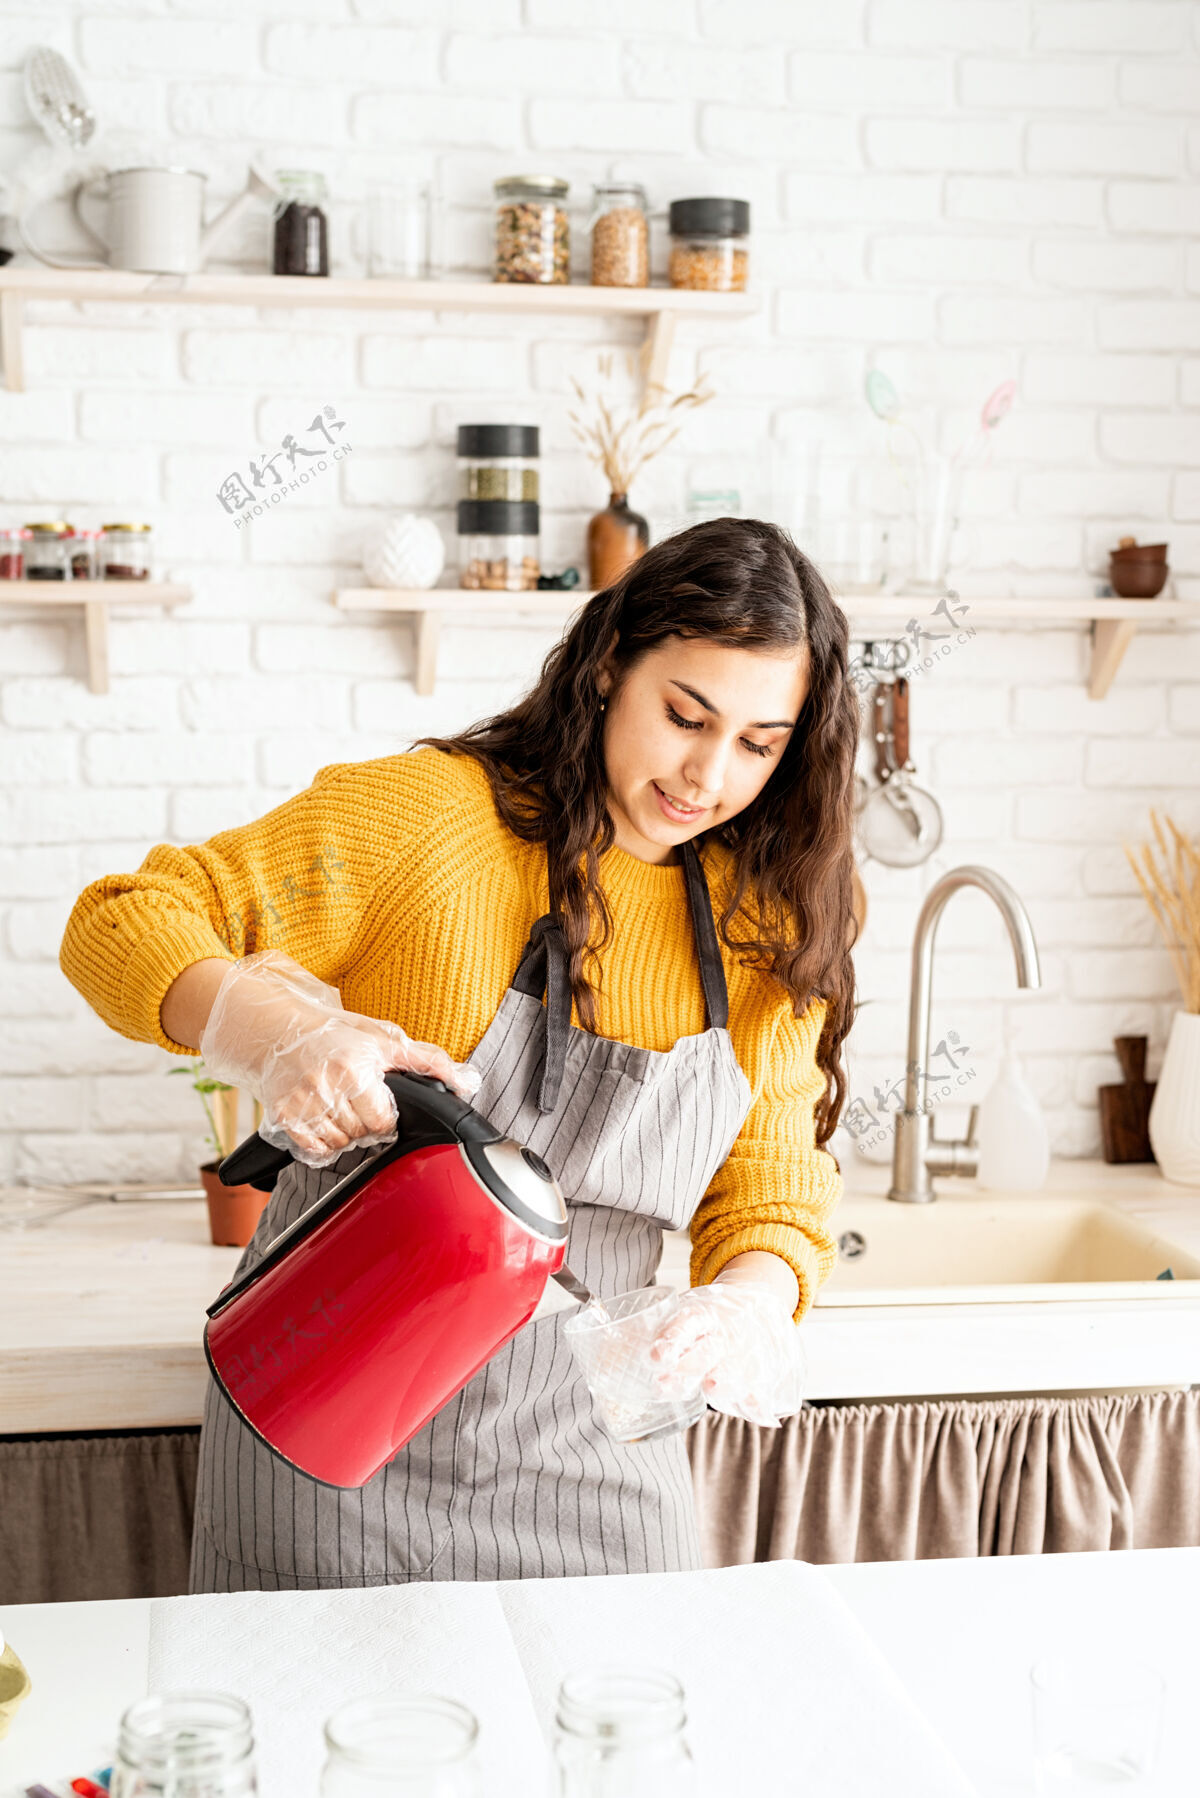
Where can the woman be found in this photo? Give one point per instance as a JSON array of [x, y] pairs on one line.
[[659, 836]]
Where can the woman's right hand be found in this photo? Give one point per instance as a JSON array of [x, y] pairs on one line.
[[278, 1032]]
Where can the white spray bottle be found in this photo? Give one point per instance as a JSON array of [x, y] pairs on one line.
[[1014, 1144]]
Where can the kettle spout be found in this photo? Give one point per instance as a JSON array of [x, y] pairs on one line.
[[258, 188]]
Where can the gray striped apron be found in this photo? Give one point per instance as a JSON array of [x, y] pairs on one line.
[[514, 1478]]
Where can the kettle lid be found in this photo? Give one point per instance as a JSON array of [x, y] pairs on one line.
[[519, 1180]]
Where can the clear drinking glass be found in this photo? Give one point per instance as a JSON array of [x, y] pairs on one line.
[[185, 1745], [1096, 1723], [619, 1733], [421, 1746], [612, 1350]]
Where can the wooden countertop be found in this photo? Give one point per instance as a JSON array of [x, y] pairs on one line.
[[102, 1304]]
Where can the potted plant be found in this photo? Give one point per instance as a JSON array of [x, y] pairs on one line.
[[621, 443], [1170, 884], [233, 1211]]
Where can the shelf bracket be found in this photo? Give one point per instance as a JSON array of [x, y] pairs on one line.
[[11, 312], [1111, 637], [660, 335], [427, 632], [95, 626]]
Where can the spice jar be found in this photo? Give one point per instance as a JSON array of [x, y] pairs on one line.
[[620, 236], [708, 244], [48, 555], [498, 544], [85, 555], [126, 552], [301, 244], [12, 553], [498, 462], [533, 237]]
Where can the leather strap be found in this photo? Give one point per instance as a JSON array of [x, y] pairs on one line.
[[543, 969]]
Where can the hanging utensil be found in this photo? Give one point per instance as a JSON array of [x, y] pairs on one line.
[[901, 823], [55, 97]]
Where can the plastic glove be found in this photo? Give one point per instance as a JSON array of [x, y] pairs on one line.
[[316, 1069], [740, 1339]]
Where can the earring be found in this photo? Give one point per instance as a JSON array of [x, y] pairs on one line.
[[603, 703]]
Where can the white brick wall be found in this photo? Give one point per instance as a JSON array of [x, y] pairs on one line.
[[953, 190]]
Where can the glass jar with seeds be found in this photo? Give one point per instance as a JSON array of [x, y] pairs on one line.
[[620, 236], [498, 550], [709, 247], [498, 462], [533, 235]]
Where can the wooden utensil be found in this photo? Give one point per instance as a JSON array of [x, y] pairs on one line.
[[1124, 1109]]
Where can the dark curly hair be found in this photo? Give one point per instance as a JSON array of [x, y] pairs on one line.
[[789, 907]]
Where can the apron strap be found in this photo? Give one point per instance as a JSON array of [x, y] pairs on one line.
[[543, 969]]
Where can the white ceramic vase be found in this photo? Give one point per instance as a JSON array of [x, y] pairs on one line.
[[406, 551], [1174, 1121]]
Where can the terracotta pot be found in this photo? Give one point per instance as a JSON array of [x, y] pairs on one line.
[[1137, 580], [233, 1211], [616, 538]]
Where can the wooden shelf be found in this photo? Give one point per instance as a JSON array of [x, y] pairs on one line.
[[661, 307], [96, 598], [1112, 622]]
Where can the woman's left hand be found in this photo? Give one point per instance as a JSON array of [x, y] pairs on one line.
[[740, 1338]]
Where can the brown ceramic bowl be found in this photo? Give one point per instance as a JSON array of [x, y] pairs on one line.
[[1140, 552], [1137, 580]]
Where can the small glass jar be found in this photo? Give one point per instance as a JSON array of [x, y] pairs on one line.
[[498, 544], [498, 462], [620, 234], [12, 552], [708, 244], [85, 555], [423, 1746], [185, 1745], [125, 551], [301, 240], [533, 234], [48, 552], [622, 1731]]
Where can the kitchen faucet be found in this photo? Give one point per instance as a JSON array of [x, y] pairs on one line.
[[917, 1153]]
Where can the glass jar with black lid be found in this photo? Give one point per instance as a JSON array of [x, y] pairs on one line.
[[498, 544], [498, 462], [709, 247]]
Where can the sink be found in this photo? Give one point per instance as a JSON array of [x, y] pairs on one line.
[[980, 1249]]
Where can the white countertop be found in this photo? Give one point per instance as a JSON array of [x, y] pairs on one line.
[[102, 1312], [960, 1634]]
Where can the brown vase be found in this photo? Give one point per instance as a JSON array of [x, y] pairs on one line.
[[233, 1211], [616, 538]]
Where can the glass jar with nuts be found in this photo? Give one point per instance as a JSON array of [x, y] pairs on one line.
[[498, 544], [620, 236], [708, 244], [533, 236]]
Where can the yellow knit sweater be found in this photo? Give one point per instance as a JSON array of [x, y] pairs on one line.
[[395, 881]]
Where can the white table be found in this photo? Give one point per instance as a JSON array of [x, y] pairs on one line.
[[961, 1634]]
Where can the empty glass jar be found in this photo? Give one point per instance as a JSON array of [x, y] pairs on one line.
[[418, 1747], [709, 244], [533, 236], [185, 1745], [620, 1734], [620, 236]]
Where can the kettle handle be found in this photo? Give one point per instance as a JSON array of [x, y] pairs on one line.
[[259, 1163]]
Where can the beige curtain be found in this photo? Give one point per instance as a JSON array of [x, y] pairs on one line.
[[110, 1516], [96, 1516], [902, 1482]]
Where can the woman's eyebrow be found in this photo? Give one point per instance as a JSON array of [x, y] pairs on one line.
[[775, 723]]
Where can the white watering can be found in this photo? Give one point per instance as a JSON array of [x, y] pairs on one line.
[[155, 220]]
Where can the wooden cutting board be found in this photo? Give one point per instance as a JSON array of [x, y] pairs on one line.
[[1124, 1109]]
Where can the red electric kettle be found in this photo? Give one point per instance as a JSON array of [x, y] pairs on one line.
[[385, 1297]]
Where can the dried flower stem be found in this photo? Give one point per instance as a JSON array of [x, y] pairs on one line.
[[621, 443], [1172, 892]]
